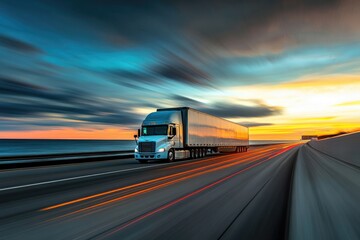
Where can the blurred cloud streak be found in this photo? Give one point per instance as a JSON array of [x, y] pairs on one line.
[[91, 64]]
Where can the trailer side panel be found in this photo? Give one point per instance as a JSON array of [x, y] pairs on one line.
[[207, 130]]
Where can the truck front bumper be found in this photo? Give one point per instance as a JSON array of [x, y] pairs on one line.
[[148, 156]]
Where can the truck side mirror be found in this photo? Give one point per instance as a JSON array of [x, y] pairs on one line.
[[173, 131], [139, 133], [135, 136]]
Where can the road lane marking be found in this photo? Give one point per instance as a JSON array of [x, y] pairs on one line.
[[215, 165], [251, 158], [184, 197], [128, 187], [146, 190], [79, 177], [84, 176]]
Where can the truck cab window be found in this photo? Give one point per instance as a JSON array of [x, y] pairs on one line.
[[155, 130], [173, 131]]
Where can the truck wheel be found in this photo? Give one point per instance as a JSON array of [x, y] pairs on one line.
[[171, 155], [196, 153], [192, 154], [142, 161]]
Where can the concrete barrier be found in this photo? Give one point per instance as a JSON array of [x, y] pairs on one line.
[[345, 147]]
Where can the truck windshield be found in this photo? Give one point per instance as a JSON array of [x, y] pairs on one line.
[[155, 130]]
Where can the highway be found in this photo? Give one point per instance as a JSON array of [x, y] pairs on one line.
[[250, 195]]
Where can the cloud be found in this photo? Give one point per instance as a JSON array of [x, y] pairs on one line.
[[240, 26], [12, 87], [178, 69], [329, 82], [350, 103], [191, 42], [138, 80], [262, 27], [18, 45], [255, 124], [231, 110], [69, 107], [117, 118], [182, 73], [228, 27], [186, 101], [168, 67]]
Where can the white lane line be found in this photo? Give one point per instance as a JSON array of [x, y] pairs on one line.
[[79, 177]]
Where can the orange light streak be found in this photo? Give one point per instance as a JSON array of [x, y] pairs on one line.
[[172, 203], [168, 183], [146, 182], [284, 150], [134, 185]]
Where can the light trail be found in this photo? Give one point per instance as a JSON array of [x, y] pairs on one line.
[[166, 184], [130, 187], [285, 150], [172, 203], [79, 177], [95, 175], [243, 154], [144, 183]]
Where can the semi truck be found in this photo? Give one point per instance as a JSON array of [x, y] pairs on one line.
[[179, 133]]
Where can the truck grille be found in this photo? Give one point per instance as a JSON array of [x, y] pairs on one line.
[[147, 147]]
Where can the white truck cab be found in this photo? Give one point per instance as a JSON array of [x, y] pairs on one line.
[[159, 136]]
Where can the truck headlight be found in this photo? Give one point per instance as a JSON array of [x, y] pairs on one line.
[[161, 150], [136, 150]]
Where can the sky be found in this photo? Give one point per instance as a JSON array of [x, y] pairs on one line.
[[94, 69]]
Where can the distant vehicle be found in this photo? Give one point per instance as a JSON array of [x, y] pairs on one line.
[[309, 137], [178, 133]]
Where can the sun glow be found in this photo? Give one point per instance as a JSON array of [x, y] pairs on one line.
[[320, 105]]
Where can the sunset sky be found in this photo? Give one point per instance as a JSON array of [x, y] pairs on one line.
[[94, 69]]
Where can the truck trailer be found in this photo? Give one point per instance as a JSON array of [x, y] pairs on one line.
[[178, 133]]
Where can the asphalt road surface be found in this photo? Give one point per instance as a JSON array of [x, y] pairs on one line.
[[227, 196]]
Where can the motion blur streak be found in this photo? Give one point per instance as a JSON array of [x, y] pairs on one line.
[[154, 180], [284, 150], [326, 190], [134, 185], [190, 195], [244, 154], [258, 156]]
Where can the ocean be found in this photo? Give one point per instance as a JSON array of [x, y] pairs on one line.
[[14, 147], [17, 147]]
